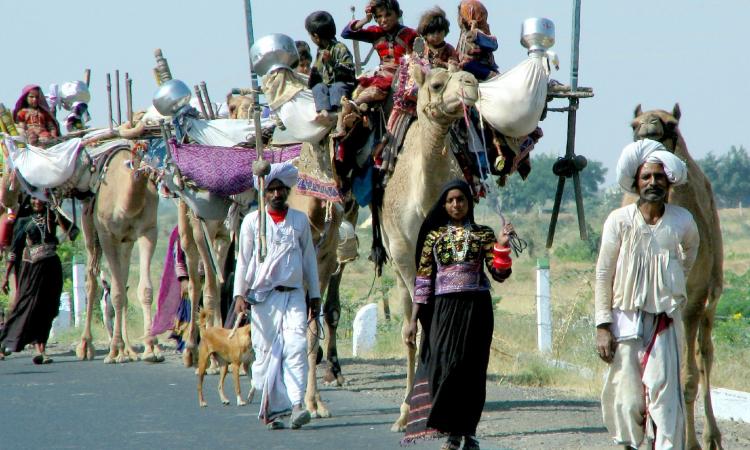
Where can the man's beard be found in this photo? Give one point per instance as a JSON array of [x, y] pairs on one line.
[[277, 204], [653, 194]]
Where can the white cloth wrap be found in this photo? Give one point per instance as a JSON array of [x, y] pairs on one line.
[[45, 168], [512, 103], [286, 172], [647, 150]]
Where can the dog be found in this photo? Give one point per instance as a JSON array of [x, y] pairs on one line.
[[228, 347]]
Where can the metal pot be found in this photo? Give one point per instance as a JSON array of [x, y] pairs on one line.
[[538, 34], [171, 96], [273, 52]]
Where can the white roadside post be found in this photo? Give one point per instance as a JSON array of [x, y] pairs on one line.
[[543, 307], [365, 328], [79, 292]]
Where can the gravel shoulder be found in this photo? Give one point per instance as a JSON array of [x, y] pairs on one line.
[[518, 417]]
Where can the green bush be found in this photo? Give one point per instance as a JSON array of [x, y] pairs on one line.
[[736, 296]]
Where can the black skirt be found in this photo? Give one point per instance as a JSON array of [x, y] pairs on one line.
[[450, 384], [38, 302]]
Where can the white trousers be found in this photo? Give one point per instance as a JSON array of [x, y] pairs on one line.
[[642, 394], [279, 335]]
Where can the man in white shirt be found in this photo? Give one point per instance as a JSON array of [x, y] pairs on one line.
[[276, 289], [647, 250]]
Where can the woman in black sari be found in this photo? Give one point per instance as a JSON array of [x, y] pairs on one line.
[[40, 281], [453, 304]]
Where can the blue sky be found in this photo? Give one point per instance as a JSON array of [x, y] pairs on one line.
[[641, 51]]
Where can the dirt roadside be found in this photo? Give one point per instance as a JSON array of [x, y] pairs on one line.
[[518, 417]]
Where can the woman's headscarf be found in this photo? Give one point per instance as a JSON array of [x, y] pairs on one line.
[[438, 216], [42, 103], [474, 11]]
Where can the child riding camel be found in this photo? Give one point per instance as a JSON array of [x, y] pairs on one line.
[[33, 117], [433, 27], [332, 76], [476, 44], [391, 40]]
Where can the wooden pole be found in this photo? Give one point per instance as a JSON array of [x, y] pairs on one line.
[[209, 106], [109, 100], [200, 101], [129, 98], [261, 187], [87, 77], [117, 97], [355, 47]]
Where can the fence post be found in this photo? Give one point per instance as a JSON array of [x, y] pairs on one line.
[[543, 307], [79, 291]]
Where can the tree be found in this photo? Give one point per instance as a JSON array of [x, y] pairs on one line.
[[541, 184], [729, 175]]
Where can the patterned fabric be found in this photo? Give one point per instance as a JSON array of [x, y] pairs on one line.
[[334, 63], [313, 187], [455, 268], [440, 57], [224, 170]]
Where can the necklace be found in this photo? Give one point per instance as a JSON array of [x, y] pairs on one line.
[[40, 220], [458, 255]]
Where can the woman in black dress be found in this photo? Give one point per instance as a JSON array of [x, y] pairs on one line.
[[453, 304], [40, 281]]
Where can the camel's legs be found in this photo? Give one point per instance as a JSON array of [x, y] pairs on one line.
[[332, 313], [711, 433], [126, 251], [85, 349], [313, 402], [691, 317], [194, 284], [114, 258], [211, 299], [405, 296], [146, 244]]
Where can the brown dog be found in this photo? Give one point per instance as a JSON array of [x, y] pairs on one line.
[[228, 347]]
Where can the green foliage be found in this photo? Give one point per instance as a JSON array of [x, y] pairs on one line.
[[736, 296], [729, 175], [734, 331], [578, 250], [541, 184]]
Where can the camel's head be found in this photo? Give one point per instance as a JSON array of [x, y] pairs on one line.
[[443, 93], [239, 105], [657, 124]]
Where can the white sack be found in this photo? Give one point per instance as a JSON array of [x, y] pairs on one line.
[[45, 168], [298, 115], [513, 102]]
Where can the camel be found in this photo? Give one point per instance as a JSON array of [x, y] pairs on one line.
[[123, 212], [424, 165], [705, 281]]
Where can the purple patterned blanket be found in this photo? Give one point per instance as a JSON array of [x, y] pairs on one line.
[[224, 170]]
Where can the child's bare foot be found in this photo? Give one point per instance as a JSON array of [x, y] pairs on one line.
[[326, 118]]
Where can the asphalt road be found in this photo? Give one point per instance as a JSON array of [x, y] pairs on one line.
[[90, 405]]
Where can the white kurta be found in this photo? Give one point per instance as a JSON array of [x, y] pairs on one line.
[[279, 319], [640, 274]]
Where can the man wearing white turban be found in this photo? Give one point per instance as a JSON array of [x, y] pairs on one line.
[[276, 289], [647, 250]]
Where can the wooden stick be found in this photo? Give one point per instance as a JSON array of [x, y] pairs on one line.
[[117, 96], [200, 101], [357, 52], [210, 107], [109, 100], [87, 77], [129, 98]]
